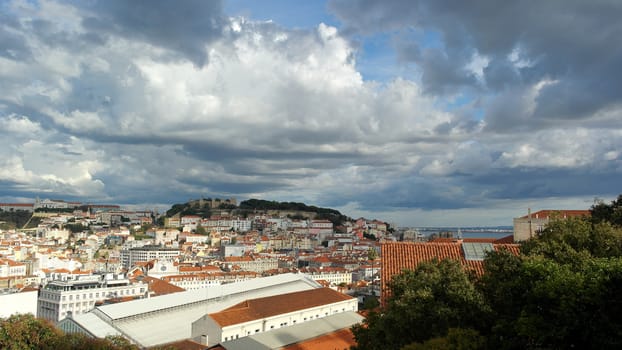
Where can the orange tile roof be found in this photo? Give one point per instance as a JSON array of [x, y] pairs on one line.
[[408, 255], [546, 214], [161, 287], [509, 239], [254, 309], [341, 339]]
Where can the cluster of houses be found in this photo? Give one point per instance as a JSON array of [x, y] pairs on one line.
[[229, 280], [58, 272]]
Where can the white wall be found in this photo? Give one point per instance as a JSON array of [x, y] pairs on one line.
[[18, 303]]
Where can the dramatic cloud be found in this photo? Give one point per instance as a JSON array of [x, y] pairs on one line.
[[567, 48], [151, 103]]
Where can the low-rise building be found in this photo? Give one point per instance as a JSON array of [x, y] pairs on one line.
[[271, 313], [334, 275], [529, 225]]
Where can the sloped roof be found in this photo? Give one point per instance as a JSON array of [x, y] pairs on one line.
[[259, 308], [408, 255], [341, 339], [330, 332], [562, 214], [160, 286]]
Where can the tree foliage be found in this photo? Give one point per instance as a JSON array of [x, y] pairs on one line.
[[332, 215], [25, 332], [456, 338], [612, 213], [425, 303], [563, 291], [14, 218]]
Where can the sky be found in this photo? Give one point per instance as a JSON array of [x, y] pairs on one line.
[[419, 113]]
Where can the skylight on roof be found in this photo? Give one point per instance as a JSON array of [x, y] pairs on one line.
[[476, 251]]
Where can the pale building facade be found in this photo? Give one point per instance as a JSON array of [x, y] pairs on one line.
[[271, 313], [79, 294]]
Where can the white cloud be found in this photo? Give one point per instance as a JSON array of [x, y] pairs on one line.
[[274, 113]]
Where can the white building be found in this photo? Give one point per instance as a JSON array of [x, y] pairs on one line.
[[18, 302], [53, 204], [241, 225], [166, 236], [45, 231], [78, 294], [334, 275], [168, 318], [147, 253], [10, 268], [249, 263], [270, 313]]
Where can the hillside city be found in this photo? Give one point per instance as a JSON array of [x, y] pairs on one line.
[[221, 271]]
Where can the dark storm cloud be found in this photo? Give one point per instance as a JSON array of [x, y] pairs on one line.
[[572, 43], [185, 27], [441, 74], [476, 191], [546, 183]]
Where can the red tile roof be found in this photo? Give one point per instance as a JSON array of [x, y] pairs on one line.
[[408, 255], [547, 214], [341, 339], [161, 287], [254, 309]]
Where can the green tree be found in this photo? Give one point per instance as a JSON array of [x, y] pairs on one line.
[[200, 230], [25, 332], [372, 254], [612, 213], [456, 339], [370, 302], [561, 293], [424, 303]]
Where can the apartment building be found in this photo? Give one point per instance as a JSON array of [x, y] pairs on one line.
[[79, 294], [147, 253]]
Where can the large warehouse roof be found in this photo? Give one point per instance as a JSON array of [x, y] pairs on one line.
[[168, 318]]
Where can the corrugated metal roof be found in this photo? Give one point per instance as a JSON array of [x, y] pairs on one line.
[[142, 306], [92, 324], [169, 318], [476, 250]]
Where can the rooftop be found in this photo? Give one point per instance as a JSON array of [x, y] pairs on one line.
[[408, 255], [259, 308], [330, 332], [547, 214]]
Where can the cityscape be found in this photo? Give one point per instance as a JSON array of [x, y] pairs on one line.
[[76, 264], [327, 174]]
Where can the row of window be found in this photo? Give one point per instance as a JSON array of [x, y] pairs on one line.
[[284, 324]]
